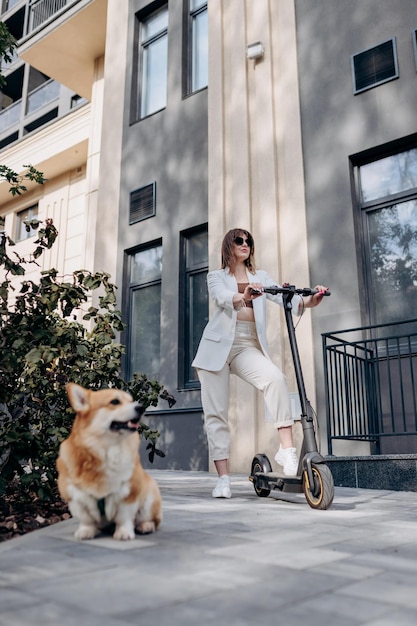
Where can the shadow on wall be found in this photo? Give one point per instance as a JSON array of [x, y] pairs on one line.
[[182, 439]]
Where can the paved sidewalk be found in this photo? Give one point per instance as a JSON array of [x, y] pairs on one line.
[[248, 560]]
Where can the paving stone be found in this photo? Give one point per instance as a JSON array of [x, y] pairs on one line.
[[242, 561]]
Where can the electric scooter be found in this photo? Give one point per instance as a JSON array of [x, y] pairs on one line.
[[314, 477]]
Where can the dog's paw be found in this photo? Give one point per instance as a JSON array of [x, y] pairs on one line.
[[85, 532], [123, 534], [145, 528]]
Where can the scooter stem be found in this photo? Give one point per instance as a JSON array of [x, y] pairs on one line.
[[309, 443]]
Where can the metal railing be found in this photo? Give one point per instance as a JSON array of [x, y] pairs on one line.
[[370, 381], [42, 10]]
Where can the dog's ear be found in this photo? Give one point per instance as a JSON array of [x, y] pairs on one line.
[[78, 397]]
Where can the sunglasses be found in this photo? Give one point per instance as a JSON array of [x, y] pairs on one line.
[[239, 241]]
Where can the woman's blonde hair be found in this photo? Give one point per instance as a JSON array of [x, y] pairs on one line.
[[228, 255]]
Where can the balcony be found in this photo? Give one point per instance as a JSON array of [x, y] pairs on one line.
[[54, 149], [63, 40]]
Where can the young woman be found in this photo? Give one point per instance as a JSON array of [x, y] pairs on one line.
[[234, 341]]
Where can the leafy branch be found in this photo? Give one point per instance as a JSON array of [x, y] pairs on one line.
[[8, 44], [16, 181]]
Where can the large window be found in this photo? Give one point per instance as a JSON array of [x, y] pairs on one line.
[[194, 296], [153, 62], [144, 311], [388, 203], [197, 45]]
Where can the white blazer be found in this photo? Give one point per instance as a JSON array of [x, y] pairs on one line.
[[218, 335]]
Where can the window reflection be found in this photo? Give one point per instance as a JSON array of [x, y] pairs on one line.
[[144, 325], [145, 334], [199, 60], [154, 53], [388, 194], [388, 176], [195, 311], [22, 230], [146, 265], [393, 257]]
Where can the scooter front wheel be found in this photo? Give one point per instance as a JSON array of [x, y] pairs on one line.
[[260, 465], [320, 494]]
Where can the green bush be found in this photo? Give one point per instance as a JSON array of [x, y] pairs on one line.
[[42, 347]]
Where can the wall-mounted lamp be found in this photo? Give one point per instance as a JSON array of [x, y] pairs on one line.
[[255, 51]]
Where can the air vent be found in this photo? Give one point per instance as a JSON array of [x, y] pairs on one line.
[[374, 66], [142, 203]]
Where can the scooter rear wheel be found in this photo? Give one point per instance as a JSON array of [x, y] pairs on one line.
[[319, 495], [260, 464]]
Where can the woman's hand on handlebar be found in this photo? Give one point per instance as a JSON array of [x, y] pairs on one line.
[[253, 291], [312, 301]]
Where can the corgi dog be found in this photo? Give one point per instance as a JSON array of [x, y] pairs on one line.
[[99, 470]]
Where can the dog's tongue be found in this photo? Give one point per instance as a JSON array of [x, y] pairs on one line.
[[133, 425]]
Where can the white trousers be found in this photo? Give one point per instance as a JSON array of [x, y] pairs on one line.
[[247, 361]]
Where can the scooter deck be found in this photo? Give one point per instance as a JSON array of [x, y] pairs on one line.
[[278, 480]]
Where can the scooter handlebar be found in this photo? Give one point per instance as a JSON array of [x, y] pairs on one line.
[[305, 291]]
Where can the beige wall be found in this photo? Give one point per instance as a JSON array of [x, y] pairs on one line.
[[256, 180], [67, 152], [62, 200]]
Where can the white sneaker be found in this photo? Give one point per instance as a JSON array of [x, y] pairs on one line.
[[287, 457], [222, 488]]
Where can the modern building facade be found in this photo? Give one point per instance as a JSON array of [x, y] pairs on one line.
[[164, 124], [358, 84]]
